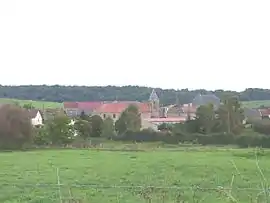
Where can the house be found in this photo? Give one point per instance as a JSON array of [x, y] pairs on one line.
[[36, 117], [159, 121], [264, 113], [114, 109], [74, 109]]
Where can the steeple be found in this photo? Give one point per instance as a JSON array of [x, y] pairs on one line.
[[153, 96], [154, 104]]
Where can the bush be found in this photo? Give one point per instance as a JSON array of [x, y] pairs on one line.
[[15, 127], [262, 126]]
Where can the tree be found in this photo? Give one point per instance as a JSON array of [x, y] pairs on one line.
[[165, 127], [108, 129], [83, 116], [42, 136], [206, 119], [83, 128], [15, 127], [130, 120], [60, 130], [28, 106], [231, 116], [96, 125]]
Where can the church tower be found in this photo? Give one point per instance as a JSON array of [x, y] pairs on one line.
[[154, 104]]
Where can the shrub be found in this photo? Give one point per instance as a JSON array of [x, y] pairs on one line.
[[15, 127]]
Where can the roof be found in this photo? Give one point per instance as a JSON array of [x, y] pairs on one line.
[[167, 120], [32, 112], [70, 105], [200, 100], [251, 113], [89, 105], [118, 107], [264, 112]]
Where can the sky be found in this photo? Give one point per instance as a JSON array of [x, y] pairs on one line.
[[194, 44]]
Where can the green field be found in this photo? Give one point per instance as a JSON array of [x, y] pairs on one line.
[[210, 175], [36, 104], [257, 104], [48, 104]]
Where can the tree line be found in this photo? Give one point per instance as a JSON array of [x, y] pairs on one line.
[[59, 93]]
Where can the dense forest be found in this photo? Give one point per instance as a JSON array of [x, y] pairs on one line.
[[59, 93]]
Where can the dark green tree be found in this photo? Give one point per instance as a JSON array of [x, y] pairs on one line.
[[83, 128], [96, 125], [28, 106], [206, 119], [60, 130], [130, 120], [231, 116], [15, 127], [108, 129]]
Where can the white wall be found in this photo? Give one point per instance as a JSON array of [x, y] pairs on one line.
[[37, 120]]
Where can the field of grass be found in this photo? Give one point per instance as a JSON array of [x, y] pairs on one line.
[[210, 175], [36, 104], [256, 104]]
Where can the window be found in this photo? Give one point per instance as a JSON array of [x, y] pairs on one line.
[[114, 116], [104, 115]]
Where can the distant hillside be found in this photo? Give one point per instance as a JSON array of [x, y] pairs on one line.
[[59, 94], [36, 104]]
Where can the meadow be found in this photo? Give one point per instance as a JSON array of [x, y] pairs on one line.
[[36, 104], [157, 175], [256, 104]]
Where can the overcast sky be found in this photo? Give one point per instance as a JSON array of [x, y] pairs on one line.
[[217, 44]]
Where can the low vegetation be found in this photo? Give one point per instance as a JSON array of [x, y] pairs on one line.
[[35, 104], [158, 175]]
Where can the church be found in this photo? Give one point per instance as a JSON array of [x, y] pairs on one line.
[[151, 112]]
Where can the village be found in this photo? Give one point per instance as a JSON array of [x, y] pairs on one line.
[[152, 112]]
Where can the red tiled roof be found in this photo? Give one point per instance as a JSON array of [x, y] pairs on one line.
[[264, 112], [89, 105], [167, 120], [70, 105], [118, 107]]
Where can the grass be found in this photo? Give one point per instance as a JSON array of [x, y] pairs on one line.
[[193, 175], [256, 104], [36, 104]]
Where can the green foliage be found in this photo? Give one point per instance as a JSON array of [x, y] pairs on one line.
[[83, 128], [231, 116], [108, 129], [96, 125], [83, 116], [42, 137], [130, 120], [60, 131], [165, 127], [262, 126], [206, 118], [28, 106], [15, 127]]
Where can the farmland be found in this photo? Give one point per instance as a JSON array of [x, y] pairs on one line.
[[177, 175], [36, 104], [256, 104]]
